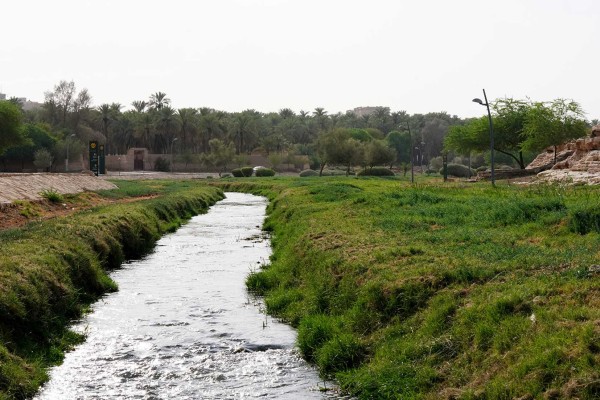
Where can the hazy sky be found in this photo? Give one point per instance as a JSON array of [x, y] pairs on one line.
[[418, 55]]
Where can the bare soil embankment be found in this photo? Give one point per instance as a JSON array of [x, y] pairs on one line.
[[29, 186]]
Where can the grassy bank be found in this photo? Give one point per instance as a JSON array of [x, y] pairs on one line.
[[50, 271], [438, 291]]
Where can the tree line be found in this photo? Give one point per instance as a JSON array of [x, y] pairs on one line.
[[68, 120]]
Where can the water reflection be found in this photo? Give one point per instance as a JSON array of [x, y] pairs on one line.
[[182, 325]]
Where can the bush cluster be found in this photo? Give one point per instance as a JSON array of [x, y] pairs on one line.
[[162, 165], [375, 171], [265, 172], [52, 195], [247, 171], [308, 172], [459, 170], [585, 220], [237, 173]]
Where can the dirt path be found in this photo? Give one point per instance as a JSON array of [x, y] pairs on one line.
[[21, 202], [28, 186]]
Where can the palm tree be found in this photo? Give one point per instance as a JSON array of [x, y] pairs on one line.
[[321, 116], [158, 100], [187, 120], [243, 127], [286, 113], [166, 124], [105, 117], [143, 131], [139, 105], [212, 126]]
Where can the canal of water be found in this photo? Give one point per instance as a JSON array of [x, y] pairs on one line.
[[183, 326]]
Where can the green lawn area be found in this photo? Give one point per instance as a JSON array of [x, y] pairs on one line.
[[438, 290]]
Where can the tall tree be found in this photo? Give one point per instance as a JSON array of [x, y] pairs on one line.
[[212, 125], [322, 119], [139, 105], [10, 124], [158, 101], [243, 129], [553, 123], [187, 122]]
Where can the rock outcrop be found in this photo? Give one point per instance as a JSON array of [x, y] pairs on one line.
[[577, 161]]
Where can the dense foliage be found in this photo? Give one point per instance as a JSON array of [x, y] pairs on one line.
[[520, 126], [218, 140]]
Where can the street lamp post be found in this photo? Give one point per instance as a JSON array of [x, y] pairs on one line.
[[421, 153], [487, 104], [172, 141], [412, 172], [67, 159]]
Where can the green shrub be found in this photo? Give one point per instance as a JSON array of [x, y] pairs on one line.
[[52, 195], [585, 220], [313, 332], [237, 173], [339, 353], [308, 172], [376, 171], [436, 163], [162, 164], [265, 172], [259, 282], [458, 170], [481, 169], [247, 171]]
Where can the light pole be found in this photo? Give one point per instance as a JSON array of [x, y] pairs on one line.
[[172, 141], [487, 104], [412, 172], [421, 153], [67, 159]]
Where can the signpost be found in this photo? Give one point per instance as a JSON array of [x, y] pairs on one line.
[[93, 147], [101, 160]]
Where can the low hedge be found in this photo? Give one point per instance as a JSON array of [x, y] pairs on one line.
[[458, 170], [247, 171], [237, 173], [376, 171], [308, 172], [265, 172]]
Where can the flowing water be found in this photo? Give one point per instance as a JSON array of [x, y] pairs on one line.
[[182, 325]]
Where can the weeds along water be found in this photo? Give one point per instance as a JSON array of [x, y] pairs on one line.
[[50, 271]]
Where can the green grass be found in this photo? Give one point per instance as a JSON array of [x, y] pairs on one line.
[[51, 271], [398, 291], [438, 290]]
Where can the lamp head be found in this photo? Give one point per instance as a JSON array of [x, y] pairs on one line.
[[476, 100]]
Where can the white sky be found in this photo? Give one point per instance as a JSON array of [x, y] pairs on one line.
[[414, 55]]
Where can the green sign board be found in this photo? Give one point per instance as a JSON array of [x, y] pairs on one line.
[[93, 147]]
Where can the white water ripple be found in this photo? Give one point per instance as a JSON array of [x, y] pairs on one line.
[[182, 325]]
